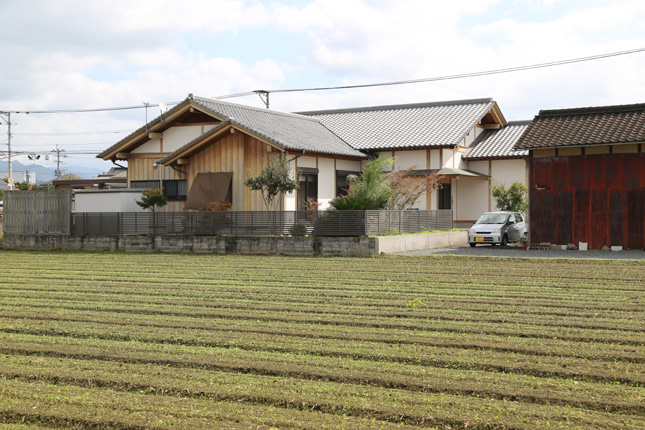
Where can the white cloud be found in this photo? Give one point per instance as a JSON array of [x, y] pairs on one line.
[[72, 53]]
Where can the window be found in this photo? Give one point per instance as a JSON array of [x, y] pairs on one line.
[[175, 189], [145, 184], [342, 184], [519, 218]]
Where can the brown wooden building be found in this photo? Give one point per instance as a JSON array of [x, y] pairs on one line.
[[587, 176]]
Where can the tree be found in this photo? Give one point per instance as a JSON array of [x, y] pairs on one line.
[[273, 181], [406, 188], [153, 199], [370, 190], [71, 176], [515, 199]]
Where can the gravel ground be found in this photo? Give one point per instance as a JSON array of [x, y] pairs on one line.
[[511, 251]]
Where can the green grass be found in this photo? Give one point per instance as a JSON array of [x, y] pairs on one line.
[[134, 341]]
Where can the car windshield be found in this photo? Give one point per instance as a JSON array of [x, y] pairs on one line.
[[492, 219]]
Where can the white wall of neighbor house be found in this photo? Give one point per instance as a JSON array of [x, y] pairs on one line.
[[479, 166], [326, 182], [435, 159], [124, 200], [507, 172], [472, 198], [306, 161], [407, 159], [353, 165]]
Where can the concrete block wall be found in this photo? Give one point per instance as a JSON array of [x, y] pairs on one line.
[[297, 245]]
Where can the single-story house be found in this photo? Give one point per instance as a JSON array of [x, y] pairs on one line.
[[203, 149], [587, 176], [467, 143]]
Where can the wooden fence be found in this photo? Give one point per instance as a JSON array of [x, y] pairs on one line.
[[37, 212]]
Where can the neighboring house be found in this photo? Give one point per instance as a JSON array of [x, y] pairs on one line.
[[587, 176], [203, 149], [467, 143], [114, 179], [492, 154]]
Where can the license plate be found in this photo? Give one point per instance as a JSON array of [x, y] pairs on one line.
[[479, 239]]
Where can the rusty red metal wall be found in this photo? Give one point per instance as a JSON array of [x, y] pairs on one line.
[[598, 199]]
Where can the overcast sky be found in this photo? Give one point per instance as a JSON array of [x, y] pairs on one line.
[[90, 54]]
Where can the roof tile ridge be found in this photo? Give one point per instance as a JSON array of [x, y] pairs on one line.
[[398, 107], [253, 108], [592, 110]]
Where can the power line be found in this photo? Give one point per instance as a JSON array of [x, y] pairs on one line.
[[344, 87], [459, 76]]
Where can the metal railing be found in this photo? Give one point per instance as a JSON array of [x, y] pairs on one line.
[[410, 221], [260, 223]]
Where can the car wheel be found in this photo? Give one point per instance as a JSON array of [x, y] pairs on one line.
[[504, 240], [472, 244]]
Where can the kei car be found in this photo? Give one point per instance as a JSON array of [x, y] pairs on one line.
[[497, 228]]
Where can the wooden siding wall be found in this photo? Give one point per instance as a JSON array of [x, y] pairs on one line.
[[598, 199], [238, 153], [141, 168]]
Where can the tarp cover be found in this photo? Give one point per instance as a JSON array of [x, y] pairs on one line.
[[208, 187]]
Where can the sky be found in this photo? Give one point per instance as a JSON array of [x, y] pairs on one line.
[[79, 54]]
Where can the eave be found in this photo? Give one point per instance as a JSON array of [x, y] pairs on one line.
[[152, 129]]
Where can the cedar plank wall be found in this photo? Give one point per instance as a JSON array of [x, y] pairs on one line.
[[598, 199], [238, 153], [140, 168]]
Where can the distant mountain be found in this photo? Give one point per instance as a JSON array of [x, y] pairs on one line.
[[44, 174]]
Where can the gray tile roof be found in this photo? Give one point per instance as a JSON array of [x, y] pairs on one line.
[[287, 130], [405, 126], [290, 131], [604, 125], [498, 143]]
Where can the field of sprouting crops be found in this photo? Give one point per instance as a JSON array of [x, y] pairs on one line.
[[134, 341]]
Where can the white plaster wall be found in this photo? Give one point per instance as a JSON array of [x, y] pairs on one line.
[[472, 199], [421, 202], [387, 154], [290, 198], [448, 158], [433, 201], [407, 159], [326, 182], [479, 166], [307, 162], [176, 137], [349, 165], [107, 200], [151, 146], [458, 162], [435, 159], [506, 172]]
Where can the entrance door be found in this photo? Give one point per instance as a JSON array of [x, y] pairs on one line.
[[308, 189], [445, 196]]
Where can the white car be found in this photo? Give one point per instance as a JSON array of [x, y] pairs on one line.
[[497, 228]]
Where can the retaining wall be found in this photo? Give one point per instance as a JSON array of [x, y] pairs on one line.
[[287, 245], [199, 244], [420, 242]]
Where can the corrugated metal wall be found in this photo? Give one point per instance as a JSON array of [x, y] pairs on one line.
[[597, 199]]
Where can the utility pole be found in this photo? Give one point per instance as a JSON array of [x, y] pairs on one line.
[[9, 145], [58, 172]]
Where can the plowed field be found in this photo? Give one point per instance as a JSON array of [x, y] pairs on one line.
[[138, 341]]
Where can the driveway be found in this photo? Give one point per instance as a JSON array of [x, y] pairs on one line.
[[511, 251]]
